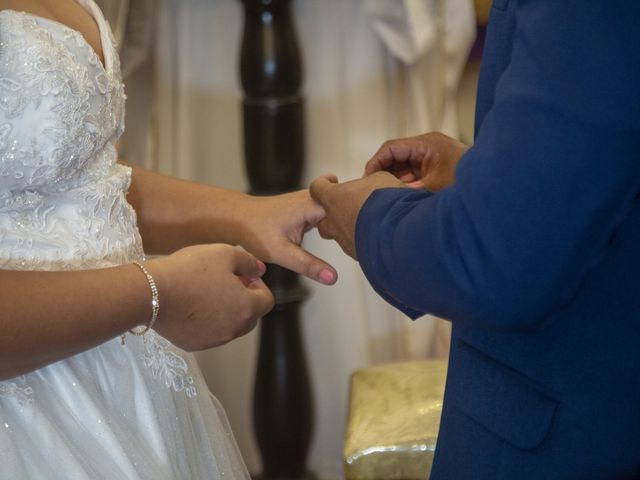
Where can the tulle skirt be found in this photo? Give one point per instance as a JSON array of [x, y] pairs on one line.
[[119, 412]]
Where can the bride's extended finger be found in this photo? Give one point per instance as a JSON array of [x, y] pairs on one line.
[[300, 261]]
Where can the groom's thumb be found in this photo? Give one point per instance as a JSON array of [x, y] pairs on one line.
[[321, 187]]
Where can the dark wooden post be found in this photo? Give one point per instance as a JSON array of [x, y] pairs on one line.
[[271, 75]]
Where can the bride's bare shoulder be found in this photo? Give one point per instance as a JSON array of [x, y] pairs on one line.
[[67, 12], [29, 6]]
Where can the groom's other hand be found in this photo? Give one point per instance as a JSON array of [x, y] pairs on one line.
[[425, 161], [342, 203]]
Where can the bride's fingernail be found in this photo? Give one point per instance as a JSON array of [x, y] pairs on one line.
[[261, 267], [327, 276]]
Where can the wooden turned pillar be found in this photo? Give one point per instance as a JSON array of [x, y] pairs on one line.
[[273, 115]]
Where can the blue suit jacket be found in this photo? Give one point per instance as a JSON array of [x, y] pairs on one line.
[[534, 253]]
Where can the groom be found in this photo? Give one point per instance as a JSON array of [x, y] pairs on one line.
[[527, 242]]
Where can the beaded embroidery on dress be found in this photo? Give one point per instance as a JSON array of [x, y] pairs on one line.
[[134, 411]]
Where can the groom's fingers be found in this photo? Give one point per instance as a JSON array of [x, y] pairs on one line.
[[321, 189], [332, 177], [324, 229]]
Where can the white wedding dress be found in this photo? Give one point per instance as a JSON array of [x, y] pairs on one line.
[[135, 411]]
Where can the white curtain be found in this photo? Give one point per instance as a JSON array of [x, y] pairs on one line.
[[374, 70]]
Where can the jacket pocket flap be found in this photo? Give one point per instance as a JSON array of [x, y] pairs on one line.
[[498, 398]]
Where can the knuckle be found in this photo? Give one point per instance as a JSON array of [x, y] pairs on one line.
[[314, 189], [308, 269], [244, 314], [226, 337], [246, 323], [323, 231], [271, 302]]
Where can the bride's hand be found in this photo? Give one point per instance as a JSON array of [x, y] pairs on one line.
[[272, 229], [209, 295]]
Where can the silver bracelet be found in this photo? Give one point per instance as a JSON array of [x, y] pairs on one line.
[[155, 303]]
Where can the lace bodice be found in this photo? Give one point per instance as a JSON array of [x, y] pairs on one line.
[[62, 194]]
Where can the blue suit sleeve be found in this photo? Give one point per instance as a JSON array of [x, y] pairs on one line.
[[554, 169]]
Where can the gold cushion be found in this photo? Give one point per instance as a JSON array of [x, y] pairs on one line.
[[483, 7], [394, 416]]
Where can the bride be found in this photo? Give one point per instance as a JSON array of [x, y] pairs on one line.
[[94, 378]]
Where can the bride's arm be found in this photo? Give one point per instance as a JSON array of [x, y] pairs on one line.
[[47, 316], [209, 294], [173, 213]]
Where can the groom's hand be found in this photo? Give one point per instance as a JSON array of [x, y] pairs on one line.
[[425, 161], [342, 203]]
